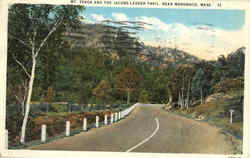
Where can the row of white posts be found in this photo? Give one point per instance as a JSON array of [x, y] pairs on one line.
[[113, 118]]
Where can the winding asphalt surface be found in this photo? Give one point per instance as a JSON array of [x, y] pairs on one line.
[[148, 129]]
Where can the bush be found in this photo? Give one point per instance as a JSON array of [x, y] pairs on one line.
[[144, 97], [59, 108], [40, 108], [12, 110], [75, 107]]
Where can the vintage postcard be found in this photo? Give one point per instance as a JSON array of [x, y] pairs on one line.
[[124, 78]]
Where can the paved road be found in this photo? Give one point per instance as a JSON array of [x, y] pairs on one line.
[[148, 129]]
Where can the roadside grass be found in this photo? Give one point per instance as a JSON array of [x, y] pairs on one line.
[[60, 113], [217, 114]]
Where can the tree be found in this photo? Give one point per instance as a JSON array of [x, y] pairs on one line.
[[180, 84], [103, 91], [144, 96], [229, 84], [127, 81], [16, 90], [35, 27], [50, 97], [220, 69], [159, 84], [236, 63], [198, 84]]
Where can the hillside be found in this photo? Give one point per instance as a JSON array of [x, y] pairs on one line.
[[171, 55], [101, 37]]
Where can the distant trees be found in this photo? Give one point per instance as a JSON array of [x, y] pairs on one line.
[[159, 85], [127, 81], [236, 62], [220, 69], [199, 83], [180, 84], [229, 84], [103, 91], [144, 97], [50, 97], [231, 66]]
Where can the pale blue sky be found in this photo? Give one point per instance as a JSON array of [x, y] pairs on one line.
[[225, 19], [205, 33]]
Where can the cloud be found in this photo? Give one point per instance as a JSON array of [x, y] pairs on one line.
[[87, 20], [97, 17], [204, 41], [120, 17], [155, 23], [213, 41]]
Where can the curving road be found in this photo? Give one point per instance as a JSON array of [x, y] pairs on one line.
[[148, 129]]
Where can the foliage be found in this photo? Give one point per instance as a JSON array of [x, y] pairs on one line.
[[35, 27], [237, 63], [229, 84], [156, 83], [231, 66], [103, 91], [180, 80], [127, 81], [50, 95], [59, 108], [144, 97], [200, 84]]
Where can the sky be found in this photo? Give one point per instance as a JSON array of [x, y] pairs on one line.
[[204, 33]]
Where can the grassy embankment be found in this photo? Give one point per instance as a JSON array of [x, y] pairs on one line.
[[215, 111]]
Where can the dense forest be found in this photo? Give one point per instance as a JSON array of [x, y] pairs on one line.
[[89, 75]]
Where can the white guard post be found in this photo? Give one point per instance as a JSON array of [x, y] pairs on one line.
[[231, 115], [119, 115], [97, 121], [84, 124], [67, 128], [43, 133], [111, 118], [116, 116], [106, 119]]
